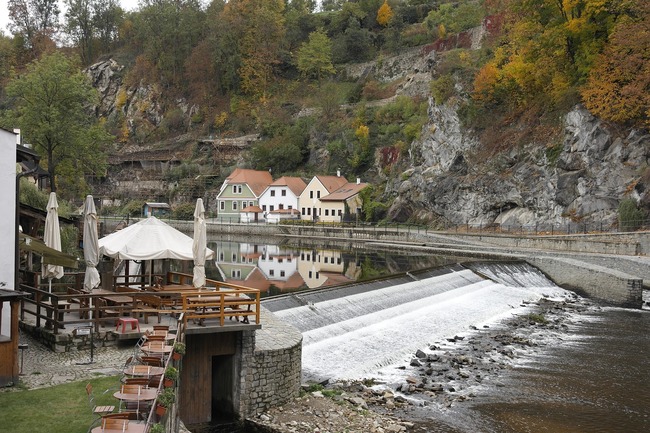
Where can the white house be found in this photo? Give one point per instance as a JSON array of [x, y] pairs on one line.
[[280, 199], [8, 144]]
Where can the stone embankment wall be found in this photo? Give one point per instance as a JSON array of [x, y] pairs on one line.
[[272, 375], [608, 285]]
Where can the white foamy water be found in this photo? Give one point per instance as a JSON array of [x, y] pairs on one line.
[[355, 337]]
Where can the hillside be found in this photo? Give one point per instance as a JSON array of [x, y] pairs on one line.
[[479, 112]]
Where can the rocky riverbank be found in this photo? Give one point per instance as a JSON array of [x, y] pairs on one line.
[[445, 374]]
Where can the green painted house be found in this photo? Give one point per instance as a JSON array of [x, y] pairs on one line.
[[240, 193]]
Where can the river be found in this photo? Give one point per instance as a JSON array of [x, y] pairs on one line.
[[590, 375]]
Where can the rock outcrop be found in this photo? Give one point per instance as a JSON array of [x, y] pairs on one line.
[[582, 179]]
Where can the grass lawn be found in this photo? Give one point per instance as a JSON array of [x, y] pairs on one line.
[[58, 409]]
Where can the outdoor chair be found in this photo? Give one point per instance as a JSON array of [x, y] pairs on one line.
[[153, 361], [114, 424], [97, 410]]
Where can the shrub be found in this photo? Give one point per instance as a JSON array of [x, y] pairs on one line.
[[184, 211], [630, 217]]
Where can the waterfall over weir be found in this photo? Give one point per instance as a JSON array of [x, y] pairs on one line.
[[354, 332]]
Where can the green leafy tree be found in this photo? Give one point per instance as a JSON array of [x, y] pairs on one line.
[[80, 27], [52, 100], [315, 56]]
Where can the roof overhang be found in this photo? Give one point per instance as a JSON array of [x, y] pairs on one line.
[[50, 255]]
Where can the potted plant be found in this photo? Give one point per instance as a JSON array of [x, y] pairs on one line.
[[164, 401], [157, 428], [171, 375], [179, 350]]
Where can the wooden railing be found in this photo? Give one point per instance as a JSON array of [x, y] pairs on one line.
[[217, 300]]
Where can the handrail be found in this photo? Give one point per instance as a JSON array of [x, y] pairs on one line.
[[52, 307]]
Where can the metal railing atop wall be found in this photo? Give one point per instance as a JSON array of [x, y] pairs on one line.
[[566, 228]]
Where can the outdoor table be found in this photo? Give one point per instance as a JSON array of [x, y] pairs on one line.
[[157, 349], [176, 288], [146, 394], [143, 370], [132, 427]]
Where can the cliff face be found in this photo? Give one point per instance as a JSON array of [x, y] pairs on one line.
[[581, 179], [580, 175]]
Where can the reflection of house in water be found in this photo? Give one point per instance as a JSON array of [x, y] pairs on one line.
[[235, 261], [262, 267], [321, 268]]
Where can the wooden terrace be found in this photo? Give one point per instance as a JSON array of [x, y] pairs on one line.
[[217, 304]]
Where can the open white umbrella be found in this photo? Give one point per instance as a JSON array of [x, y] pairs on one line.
[[91, 244], [52, 238], [199, 244]]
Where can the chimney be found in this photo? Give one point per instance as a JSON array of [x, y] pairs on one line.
[[338, 172], [358, 180]]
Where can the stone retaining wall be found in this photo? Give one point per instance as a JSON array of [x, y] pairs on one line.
[[272, 375], [605, 284]]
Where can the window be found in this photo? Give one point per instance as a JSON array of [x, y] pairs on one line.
[[272, 193], [284, 193], [304, 211], [234, 205], [340, 212], [271, 272], [308, 211], [317, 194], [222, 205], [238, 189], [290, 207], [317, 275], [310, 274], [302, 256], [280, 206], [271, 208], [235, 273], [311, 194], [234, 258], [221, 257], [264, 208], [234, 189], [282, 273], [327, 212], [279, 260], [325, 259]]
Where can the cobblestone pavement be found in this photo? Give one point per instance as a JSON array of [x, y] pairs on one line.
[[41, 367]]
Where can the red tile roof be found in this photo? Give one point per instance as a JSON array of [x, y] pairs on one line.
[[332, 183], [345, 192], [257, 180], [295, 184]]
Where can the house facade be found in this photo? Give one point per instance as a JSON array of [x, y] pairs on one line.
[[280, 199], [318, 187], [344, 204], [242, 190], [8, 145]]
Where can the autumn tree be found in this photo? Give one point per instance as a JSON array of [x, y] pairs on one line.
[[35, 21], [384, 14], [52, 100], [618, 87], [315, 56]]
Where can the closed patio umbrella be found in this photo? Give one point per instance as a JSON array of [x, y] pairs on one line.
[[52, 238], [91, 244], [199, 244]]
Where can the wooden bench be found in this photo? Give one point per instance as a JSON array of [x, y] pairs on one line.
[[218, 305]]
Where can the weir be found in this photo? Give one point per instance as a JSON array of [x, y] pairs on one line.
[[373, 327]]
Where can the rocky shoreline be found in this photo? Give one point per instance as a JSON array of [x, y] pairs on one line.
[[445, 374]]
